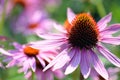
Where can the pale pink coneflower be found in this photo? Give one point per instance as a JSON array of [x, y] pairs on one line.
[[30, 24], [27, 5], [31, 57], [82, 38]]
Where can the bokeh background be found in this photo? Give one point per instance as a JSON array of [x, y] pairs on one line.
[[57, 12]]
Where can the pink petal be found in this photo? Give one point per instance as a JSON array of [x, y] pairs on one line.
[[59, 74], [28, 75], [5, 52], [17, 45], [103, 22], [59, 28], [62, 60], [98, 65], [11, 63], [56, 59], [107, 54], [48, 75], [39, 75], [18, 55], [52, 36], [75, 61], [41, 61], [70, 15], [32, 64], [25, 66], [21, 59], [111, 29], [85, 64], [45, 57], [111, 40], [49, 43]]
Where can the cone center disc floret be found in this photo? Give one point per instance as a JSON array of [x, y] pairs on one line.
[[29, 51], [84, 32]]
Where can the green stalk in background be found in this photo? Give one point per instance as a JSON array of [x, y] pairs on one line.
[[2, 17], [100, 7]]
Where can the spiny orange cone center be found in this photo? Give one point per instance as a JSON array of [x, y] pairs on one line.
[[29, 51], [83, 31]]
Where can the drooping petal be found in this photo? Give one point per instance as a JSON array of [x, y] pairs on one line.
[[107, 54], [111, 40], [85, 64], [73, 64], [26, 66], [64, 59], [59, 28], [111, 29], [11, 63], [32, 64], [5, 52], [55, 60], [28, 75], [70, 15], [98, 65], [103, 22]]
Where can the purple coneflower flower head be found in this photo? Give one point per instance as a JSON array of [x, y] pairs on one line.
[[82, 38], [32, 57], [29, 56]]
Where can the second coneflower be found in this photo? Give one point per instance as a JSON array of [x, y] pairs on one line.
[[81, 40], [32, 57]]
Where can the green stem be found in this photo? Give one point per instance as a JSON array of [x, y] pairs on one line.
[[32, 77], [100, 8], [81, 77], [3, 17]]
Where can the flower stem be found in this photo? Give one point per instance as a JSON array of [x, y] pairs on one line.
[[100, 7], [3, 16], [81, 77], [32, 77]]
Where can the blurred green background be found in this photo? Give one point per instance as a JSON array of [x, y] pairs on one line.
[[97, 8]]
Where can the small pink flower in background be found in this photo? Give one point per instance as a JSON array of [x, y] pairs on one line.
[[30, 24], [113, 73], [82, 41], [28, 5], [32, 57]]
